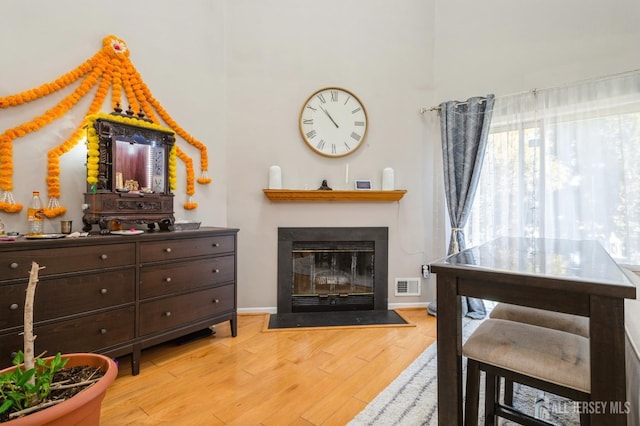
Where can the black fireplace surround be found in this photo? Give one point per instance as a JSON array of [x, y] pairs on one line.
[[332, 269]]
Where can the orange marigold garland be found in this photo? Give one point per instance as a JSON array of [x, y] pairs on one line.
[[190, 204], [132, 89], [54, 208], [48, 88], [6, 184], [173, 173], [112, 68], [146, 94]]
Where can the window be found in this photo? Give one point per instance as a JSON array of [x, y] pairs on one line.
[[564, 163]]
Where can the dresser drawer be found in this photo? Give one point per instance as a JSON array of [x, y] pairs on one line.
[[175, 277], [81, 293], [17, 264], [86, 334], [164, 314], [185, 248]]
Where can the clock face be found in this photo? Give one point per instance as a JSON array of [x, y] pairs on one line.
[[333, 122]]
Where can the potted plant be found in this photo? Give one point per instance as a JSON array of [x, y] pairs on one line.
[[26, 388]]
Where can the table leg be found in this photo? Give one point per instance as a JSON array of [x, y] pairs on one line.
[[449, 341], [607, 350]]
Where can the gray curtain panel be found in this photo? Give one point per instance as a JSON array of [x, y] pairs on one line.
[[465, 129]]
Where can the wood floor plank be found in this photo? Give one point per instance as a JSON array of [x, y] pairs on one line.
[[300, 378]]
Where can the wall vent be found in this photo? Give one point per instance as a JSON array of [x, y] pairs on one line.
[[407, 286]]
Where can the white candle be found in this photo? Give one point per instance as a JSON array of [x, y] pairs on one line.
[[346, 175], [275, 177], [388, 179]]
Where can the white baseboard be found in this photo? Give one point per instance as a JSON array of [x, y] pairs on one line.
[[265, 310], [408, 305]]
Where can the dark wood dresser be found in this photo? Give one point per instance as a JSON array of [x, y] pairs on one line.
[[118, 294]]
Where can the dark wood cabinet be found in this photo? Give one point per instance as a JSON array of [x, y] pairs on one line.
[[118, 295], [129, 173]]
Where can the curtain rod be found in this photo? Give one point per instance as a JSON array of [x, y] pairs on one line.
[[589, 80]]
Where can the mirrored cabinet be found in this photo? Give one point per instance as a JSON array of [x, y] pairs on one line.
[[132, 174]]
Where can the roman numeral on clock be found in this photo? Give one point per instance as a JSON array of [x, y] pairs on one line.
[[334, 96], [355, 136], [320, 145], [311, 134], [307, 121]]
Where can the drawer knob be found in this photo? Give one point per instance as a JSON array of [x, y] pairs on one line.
[[216, 271], [13, 306], [167, 314], [103, 256], [168, 249], [216, 244], [103, 331], [168, 279], [103, 291], [14, 265], [216, 300]]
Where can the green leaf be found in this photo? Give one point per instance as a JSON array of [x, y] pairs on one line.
[[6, 405]]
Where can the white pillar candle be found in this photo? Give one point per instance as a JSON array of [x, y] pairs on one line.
[[388, 179], [275, 177], [346, 176]]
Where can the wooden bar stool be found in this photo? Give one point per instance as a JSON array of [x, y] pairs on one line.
[[543, 358]]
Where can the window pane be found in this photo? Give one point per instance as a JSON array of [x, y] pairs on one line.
[[569, 176]]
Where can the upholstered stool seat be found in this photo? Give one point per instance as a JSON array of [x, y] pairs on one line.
[[540, 357], [557, 320]]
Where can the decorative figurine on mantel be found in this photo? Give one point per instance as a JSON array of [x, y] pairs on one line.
[[324, 186]]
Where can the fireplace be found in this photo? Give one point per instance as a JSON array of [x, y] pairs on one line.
[[332, 269]]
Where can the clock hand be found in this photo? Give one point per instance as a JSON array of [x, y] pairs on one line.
[[330, 118]]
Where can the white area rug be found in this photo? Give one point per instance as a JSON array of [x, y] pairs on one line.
[[412, 398]]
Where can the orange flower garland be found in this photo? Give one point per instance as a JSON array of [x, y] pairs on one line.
[[54, 208], [6, 139], [189, 205], [145, 93], [110, 67]]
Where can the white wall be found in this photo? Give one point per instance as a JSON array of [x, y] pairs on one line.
[[280, 52], [505, 47], [178, 48], [236, 73]]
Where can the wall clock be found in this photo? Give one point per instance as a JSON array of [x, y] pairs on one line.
[[333, 122]]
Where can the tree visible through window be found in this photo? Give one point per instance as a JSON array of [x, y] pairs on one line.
[[564, 163]]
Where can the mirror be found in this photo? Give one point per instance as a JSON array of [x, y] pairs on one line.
[[139, 166], [134, 157]]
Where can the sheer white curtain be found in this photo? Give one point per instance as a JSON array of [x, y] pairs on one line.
[[564, 163]]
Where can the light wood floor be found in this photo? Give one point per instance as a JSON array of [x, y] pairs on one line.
[[317, 377]]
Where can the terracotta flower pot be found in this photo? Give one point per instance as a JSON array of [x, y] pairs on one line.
[[84, 407]]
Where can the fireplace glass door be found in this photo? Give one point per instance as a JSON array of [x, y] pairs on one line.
[[332, 276]]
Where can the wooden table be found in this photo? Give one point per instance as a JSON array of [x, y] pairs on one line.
[[577, 277]]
